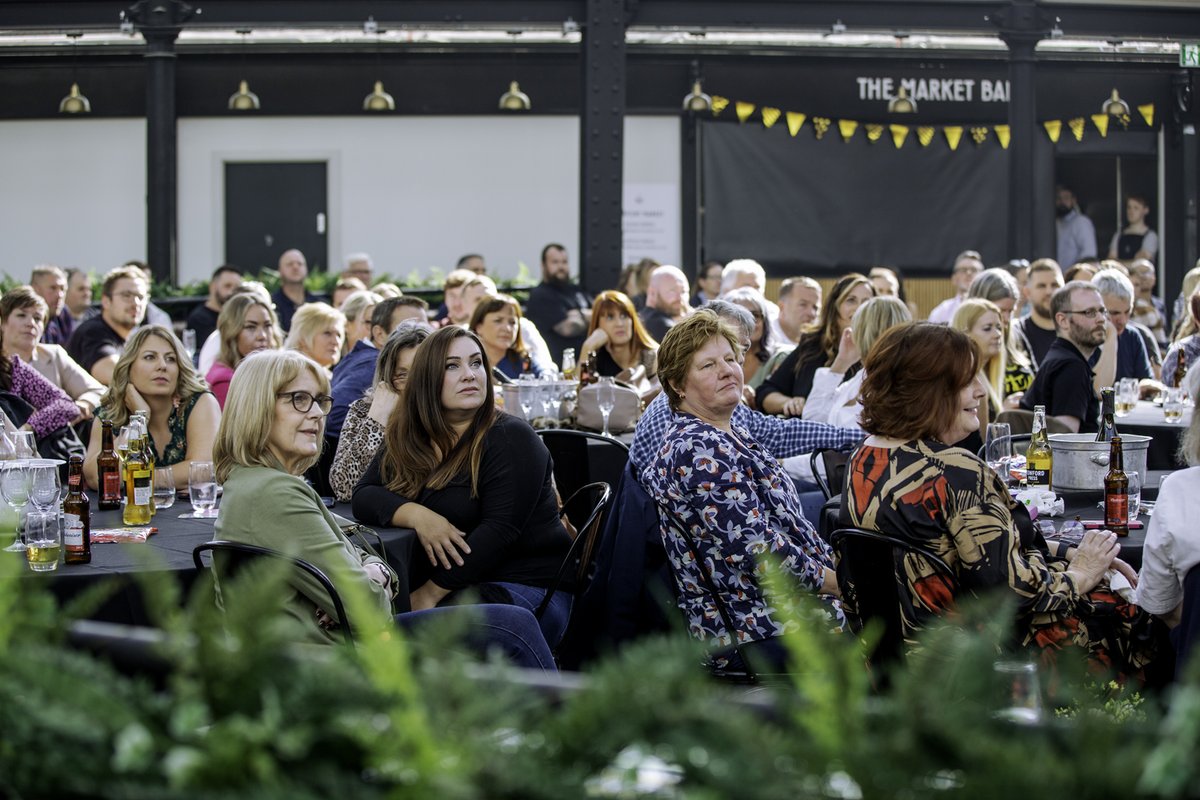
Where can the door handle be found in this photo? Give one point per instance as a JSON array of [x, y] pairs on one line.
[[321, 223]]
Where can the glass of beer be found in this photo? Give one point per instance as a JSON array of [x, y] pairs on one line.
[[43, 541], [1126, 396], [1173, 405]]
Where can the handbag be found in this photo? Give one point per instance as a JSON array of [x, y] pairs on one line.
[[627, 409]]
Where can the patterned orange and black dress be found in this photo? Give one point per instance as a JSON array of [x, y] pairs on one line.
[[947, 500]]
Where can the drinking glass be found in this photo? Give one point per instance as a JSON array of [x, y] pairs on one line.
[[1173, 406], [1020, 695], [999, 448], [202, 489], [1135, 494], [545, 393], [558, 393], [189, 343], [14, 487], [606, 398], [45, 486], [527, 392], [24, 445], [43, 541], [1126, 396], [164, 488]]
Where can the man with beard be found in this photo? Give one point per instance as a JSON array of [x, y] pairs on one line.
[[97, 344], [559, 308], [203, 319], [1076, 233], [666, 301], [1037, 331], [1064, 380]]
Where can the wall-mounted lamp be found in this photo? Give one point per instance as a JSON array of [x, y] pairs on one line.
[[514, 99], [696, 100], [244, 99], [379, 100], [902, 103], [1115, 106], [75, 101]]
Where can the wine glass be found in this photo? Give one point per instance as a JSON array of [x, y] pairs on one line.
[[14, 486], [606, 399], [202, 489], [558, 393], [45, 486], [24, 445], [527, 391], [189, 343], [999, 448], [164, 488], [545, 391]]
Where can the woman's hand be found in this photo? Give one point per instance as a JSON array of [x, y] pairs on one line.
[[793, 407], [1092, 559], [85, 412], [594, 342], [440, 539], [134, 400], [428, 596], [847, 354], [383, 402], [1129, 572], [830, 585]]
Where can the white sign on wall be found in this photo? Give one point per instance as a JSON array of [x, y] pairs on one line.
[[650, 223]]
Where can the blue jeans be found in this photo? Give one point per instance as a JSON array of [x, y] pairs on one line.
[[554, 621], [512, 630]]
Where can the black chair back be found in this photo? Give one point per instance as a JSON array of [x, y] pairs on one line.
[[870, 585], [586, 510], [834, 463], [581, 457], [236, 555], [1186, 635]]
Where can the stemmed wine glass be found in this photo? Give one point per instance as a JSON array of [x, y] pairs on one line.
[[45, 486], [606, 399], [557, 395], [14, 486], [527, 391], [24, 445]]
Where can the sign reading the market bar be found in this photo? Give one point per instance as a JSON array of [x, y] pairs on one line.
[[936, 90], [1189, 54]]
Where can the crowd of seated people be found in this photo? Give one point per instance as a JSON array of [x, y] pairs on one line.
[[738, 392]]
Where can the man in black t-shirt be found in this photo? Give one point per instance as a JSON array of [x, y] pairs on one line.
[[97, 343], [1037, 332], [1064, 379], [559, 308], [203, 318]]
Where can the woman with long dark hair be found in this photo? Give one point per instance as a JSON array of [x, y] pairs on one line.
[[446, 470]]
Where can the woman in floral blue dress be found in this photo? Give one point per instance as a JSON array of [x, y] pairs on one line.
[[715, 485]]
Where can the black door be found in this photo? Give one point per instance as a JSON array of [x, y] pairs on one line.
[[273, 207]]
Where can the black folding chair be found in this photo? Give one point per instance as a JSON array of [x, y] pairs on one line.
[[582, 457], [237, 555], [869, 583], [1186, 635], [834, 463], [586, 510]]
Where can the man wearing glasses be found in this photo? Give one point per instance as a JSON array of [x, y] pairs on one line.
[[967, 265], [97, 343], [1064, 381]]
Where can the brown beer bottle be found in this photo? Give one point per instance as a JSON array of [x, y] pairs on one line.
[[1116, 491], [108, 467], [77, 516]]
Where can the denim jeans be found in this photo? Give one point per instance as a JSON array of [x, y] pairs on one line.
[[512, 630], [554, 621]]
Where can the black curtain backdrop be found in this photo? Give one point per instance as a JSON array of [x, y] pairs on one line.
[[823, 208]]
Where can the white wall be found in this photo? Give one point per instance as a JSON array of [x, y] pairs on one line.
[[72, 192], [414, 192]]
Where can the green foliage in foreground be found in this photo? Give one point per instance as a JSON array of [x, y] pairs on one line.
[[245, 715]]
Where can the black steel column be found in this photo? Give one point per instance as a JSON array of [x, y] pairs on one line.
[[601, 144], [159, 24], [689, 194], [1022, 25]]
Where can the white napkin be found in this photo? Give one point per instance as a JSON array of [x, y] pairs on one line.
[[1047, 503], [1120, 584]]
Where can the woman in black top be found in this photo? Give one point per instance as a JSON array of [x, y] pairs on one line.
[[1136, 239], [785, 390], [446, 469]]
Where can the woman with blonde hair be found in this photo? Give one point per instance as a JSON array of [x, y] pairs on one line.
[[318, 330], [980, 320], [155, 376], [1000, 287], [246, 324], [623, 348]]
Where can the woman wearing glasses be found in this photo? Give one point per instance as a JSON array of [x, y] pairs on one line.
[[362, 432], [446, 469], [272, 433], [155, 376]]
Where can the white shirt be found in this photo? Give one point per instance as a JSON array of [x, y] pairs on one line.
[[833, 400], [943, 312], [1172, 543]]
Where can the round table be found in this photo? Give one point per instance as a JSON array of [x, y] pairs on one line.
[[1146, 419]]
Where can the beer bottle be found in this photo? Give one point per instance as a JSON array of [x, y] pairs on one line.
[[1108, 428], [1039, 460], [77, 514], [568, 364], [150, 456], [139, 486], [108, 465], [1116, 491]]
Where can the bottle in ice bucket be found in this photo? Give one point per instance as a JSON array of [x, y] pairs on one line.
[[568, 365], [1108, 428], [1116, 491], [587, 370], [1039, 460], [77, 515]]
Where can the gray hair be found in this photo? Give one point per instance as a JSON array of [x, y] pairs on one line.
[[1112, 282], [742, 266], [995, 284], [732, 312]]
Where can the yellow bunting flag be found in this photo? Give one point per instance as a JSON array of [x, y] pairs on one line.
[[1053, 129], [1003, 134], [925, 134], [719, 104], [899, 134], [979, 135], [1101, 123], [847, 127], [1147, 112], [770, 116], [953, 135], [795, 121], [873, 132], [744, 110], [1076, 126], [820, 126]]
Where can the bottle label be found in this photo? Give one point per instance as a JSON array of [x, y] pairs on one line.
[[1116, 510], [73, 531], [111, 488], [143, 488], [1037, 477]]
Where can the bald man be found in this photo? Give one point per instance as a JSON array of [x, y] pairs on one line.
[[666, 301], [291, 294]]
